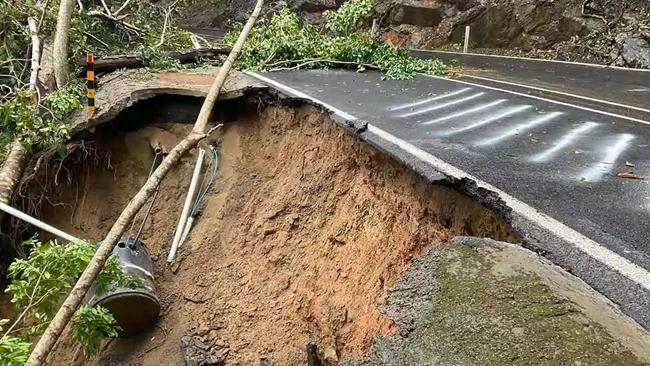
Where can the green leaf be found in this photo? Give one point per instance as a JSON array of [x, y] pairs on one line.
[[91, 325]]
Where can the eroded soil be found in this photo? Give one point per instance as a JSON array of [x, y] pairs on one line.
[[298, 241]]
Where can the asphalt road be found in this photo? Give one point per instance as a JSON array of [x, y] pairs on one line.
[[619, 86], [552, 160]]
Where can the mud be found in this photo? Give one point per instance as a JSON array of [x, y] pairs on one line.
[[305, 230]]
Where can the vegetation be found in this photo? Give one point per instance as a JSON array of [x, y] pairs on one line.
[[44, 127], [139, 27], [285, 43], [91, 325], [40, 119], [37, 286]]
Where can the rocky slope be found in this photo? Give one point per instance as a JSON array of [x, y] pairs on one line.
[[612, 32]]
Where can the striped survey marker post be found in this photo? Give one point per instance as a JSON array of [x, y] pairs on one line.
[[90, 83]]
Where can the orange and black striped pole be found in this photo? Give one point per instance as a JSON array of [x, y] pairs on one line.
[[90, 83]]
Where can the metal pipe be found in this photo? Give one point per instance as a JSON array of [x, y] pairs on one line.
[[36, 222], [186, 207]]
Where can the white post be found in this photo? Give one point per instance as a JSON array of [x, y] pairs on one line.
[[466, 46], [186, 206], [38, 223], [375, 28]]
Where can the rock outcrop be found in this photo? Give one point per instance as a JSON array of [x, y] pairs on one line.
[[602, 31]]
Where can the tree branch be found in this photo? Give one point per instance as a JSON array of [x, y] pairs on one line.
[[14, 165], [70, 304], [95, 13], [126, 3], [213, 94]]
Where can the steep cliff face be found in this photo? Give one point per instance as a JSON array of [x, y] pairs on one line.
[[602, 31]]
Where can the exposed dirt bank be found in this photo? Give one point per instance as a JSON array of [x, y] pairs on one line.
[[304, 231], [479, 302]]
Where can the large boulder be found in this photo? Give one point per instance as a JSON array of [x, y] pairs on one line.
[[635, 51], [313, 6], [424, 13]]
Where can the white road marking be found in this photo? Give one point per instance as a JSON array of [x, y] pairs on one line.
[[543, 99], [639, 90], [595, 173], [604, 67], [441, 106], [519, 129], [564, 142], [593, 249], [300, 94], [488, 120], [429, 100], [466, 112], [560, 93]]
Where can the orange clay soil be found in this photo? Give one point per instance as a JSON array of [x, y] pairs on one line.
[[305, 229]]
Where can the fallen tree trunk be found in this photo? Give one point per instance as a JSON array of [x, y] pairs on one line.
[[112, 63], [72, 302]]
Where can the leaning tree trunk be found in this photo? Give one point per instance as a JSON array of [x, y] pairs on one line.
[[12, 170], [70, 304], [18, 157], [60, 47]]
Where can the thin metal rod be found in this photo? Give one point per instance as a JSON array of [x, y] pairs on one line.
[[36, 222], [186, 207], [153, 200], [146, 215]]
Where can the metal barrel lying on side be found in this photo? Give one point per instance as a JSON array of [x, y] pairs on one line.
[[134, 308]]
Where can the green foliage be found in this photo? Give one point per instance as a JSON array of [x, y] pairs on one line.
[[116, 38], [14, 41], [14, 351], [41, 280], [344, 20], [284, 42], [91, 325], [65, 100], [136, 29], [38, 283], [19, 117]]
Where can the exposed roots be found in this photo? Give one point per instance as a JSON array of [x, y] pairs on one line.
[[47, 171]]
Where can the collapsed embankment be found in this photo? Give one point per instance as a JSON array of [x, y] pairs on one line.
[[311, 235], [304, 230]]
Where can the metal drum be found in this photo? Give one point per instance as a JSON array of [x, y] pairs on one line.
[[134, 309]]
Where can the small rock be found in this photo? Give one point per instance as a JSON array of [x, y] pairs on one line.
[[220, 343], [198, 353]]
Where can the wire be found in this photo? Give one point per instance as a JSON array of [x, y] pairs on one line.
[[153, 164], [153, 199]]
